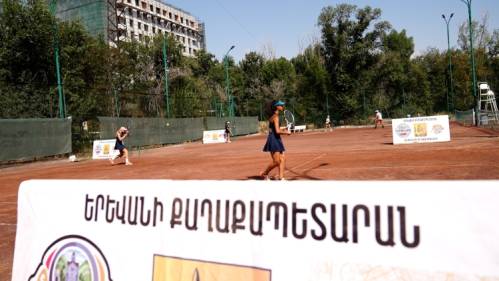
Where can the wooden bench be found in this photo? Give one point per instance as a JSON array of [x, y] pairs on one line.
[[300, 128]]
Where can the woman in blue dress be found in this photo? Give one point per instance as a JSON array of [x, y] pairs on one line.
[[121, 134], [274, 143]]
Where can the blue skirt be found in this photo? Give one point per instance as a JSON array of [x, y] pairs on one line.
[[273, 144], [119, 146]]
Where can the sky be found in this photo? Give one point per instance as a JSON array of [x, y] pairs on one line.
[[287, 27]]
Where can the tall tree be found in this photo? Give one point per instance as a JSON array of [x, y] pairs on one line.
[[351, 40], [26, 64], [312, 100], [392, 75]]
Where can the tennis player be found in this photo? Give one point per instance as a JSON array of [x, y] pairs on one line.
[[378, 119], [227, 132], [121, 134], [328, 123], [274, 143]]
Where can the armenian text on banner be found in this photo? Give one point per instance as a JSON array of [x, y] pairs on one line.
[[256, 230]]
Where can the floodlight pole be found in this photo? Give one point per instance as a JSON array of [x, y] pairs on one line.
[[227, 82], [62, 102], [327, 103], [472, 59], [451, 90], [165, 65]]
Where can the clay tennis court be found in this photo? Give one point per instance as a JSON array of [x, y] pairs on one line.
[[344, 154]]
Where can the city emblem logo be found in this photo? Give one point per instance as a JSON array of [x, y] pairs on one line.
[[403, 130], [72, 258], [437, 129]]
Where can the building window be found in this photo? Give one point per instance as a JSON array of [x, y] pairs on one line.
[[194, 43], [158, 11], [154, 30], [151, 8], [139, 25], [144, 5], [170, 15], [130, 12], [176, 17], [140, 37], [129, 1], [189, 40], [131, 22], [181, 19], [146, 27], [137, 3]]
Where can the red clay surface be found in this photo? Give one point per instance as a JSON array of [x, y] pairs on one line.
[[344, 154]]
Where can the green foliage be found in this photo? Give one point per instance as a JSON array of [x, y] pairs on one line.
[[359, 65], [351, 39]]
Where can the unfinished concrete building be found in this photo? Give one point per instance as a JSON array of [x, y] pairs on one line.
[[119, 20]]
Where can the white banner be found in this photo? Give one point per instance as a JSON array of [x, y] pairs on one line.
[[216, 136], [104, 149], [421, 129], [256, 230]]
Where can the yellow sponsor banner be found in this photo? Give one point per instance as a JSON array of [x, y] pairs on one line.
[[177, 269]]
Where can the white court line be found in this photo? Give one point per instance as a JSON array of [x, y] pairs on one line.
[[305, 163], [7, 224], [398, 166]]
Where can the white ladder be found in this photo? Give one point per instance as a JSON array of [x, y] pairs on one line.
[[488, 103]]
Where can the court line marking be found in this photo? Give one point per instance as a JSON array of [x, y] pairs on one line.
[[7, 224], [399, 166], [306, 163]]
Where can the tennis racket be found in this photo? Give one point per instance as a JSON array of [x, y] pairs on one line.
[[290, 119]]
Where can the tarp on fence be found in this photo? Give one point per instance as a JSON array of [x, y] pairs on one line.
[[155, 131], [152, 131], [24, 139], [239, 125]]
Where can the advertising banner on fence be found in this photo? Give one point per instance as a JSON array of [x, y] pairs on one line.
[[256, 230], [421, 129], [104, 149], [215, 136]]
